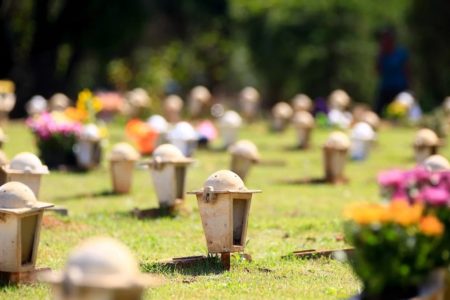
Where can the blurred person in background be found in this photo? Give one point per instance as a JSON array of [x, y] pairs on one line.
[[393, 69]]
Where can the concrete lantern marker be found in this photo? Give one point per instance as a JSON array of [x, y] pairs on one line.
[[372, 119], [88, 147], [426, 143], [7, 99], [137, 101], [20, 225], [26, 168], [249, 99], [100, 268], [122, 160], [303, 122], [168, 169], [160, 125], [362, 139], [281, 115], [224, 205], [335, 156], [184, 137], [339, 99], [244, 154], [199, 101], [302, 102], [59, 102], [36, 105], [172, 107], [229, 125], [436, 163]]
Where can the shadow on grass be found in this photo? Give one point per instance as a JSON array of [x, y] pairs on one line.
[[147, 214], [100, 194], [192, 266]]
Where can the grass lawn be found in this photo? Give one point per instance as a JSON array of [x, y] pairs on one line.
[[283, 218]]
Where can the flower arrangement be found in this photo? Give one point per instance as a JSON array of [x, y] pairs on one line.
[[397, 110], [142, 134], [395, 247], [56, 133]]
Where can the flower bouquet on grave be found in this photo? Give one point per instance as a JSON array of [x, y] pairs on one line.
[[56, 135], [396, 250], [88, 148]]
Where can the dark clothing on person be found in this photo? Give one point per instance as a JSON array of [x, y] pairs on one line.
[[392, 68]]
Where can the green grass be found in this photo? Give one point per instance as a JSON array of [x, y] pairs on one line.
[[283, 218]]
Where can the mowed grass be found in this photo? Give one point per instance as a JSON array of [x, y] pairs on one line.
[[283, 218]]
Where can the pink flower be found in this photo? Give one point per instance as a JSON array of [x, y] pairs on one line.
[[435, 195], [391, 178]]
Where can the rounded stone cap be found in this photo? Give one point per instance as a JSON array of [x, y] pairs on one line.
[[245, 148], [302, 102], [103, 263], [225, 180], [158, 123], [230, 119], [182, 131], [362, 131], [138, 97], [303, 119], [372, 119], [173, 103], [339, 99], [59, 101], [36, 105], [124, 151], [338, 140], [168, 153], [16, 197], [27, 162], [426, 137], [249, 94], [405, 98], [436, 163], [282, 110], [201, 94]]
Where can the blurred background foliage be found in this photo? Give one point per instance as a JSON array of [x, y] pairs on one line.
[[280, 46]]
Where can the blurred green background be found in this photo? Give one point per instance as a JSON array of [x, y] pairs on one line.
[[280, 47]]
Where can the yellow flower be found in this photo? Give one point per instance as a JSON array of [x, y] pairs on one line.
[[367, 213], [431, 226], [404, 214], [87, 101]]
